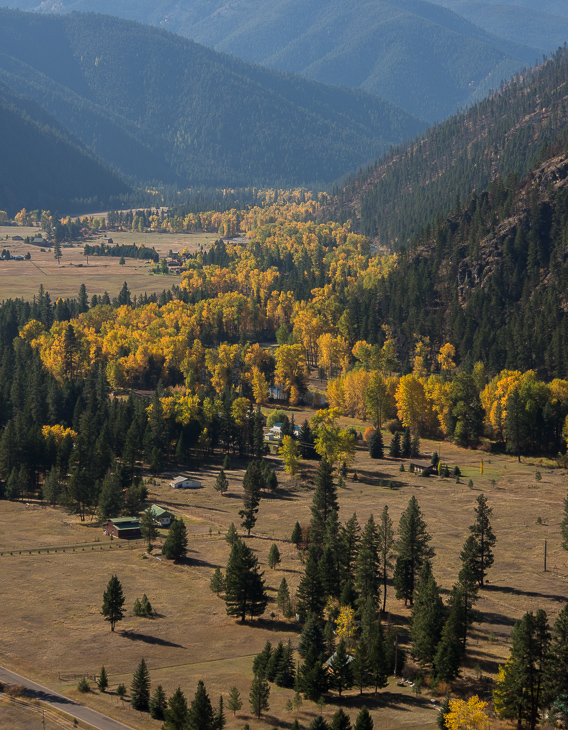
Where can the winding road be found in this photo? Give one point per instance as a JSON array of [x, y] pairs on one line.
[[59, 702]]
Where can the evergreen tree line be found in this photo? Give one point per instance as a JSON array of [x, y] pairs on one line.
[[123, 251]]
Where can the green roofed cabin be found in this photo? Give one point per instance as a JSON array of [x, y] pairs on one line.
[[123, 528], [161, 516]]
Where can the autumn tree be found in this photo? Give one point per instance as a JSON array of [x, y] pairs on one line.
[[290, 453], [469, 714]]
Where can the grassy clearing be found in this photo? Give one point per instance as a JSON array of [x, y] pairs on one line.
[[51, 602], [100, 274]]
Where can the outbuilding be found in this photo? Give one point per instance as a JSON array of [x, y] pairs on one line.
[[185, 483], [161, 516], [424, 468], [123, 528]]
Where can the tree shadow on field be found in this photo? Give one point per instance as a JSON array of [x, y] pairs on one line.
[[136, 636], [188, 562], [399, 700], [273, 624], [530, 594], [497, 619]]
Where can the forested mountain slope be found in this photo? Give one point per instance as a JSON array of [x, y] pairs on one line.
[[501, 135], [43, 167], [417, 54], [163, 108]]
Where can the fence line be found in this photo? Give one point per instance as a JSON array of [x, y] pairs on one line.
[[78, 547]]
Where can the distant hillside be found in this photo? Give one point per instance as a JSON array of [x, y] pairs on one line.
[[415, 53], [162, 108], [43, 167], [502, 135]]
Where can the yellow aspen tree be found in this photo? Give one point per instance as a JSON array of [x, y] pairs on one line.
[[412, 403], [446, 358], [260, 389], [289, 452], [468, 715], [346, 626]]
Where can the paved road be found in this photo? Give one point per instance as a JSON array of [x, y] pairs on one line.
[[59, 702]]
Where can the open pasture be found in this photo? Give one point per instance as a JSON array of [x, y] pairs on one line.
[[51, 603], [99, 274]]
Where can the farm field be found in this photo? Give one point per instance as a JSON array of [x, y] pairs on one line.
[[52, 625], [99, 274]]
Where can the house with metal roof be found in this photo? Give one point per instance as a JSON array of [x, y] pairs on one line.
[[161, 516], [123, 528]]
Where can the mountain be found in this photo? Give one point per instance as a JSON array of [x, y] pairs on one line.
[[162, 108], [502, 135], [417, 54], [45, 167], [542, 25]]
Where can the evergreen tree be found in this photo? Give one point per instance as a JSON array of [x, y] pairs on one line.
[[221, 483], [406, 446], [244, 587], [235, 702], [258, 696], [484, 538], [378, 662], [232, 535], [201, 715], [306, 441], [113, 602], [324, 501], [449, 649], [111, 496], [140, 688], [360, 666], [273, 556], [318, 723], [427, 616], [53, 487], [444, 710], [175, 544], [217, 583], [102, 679], [312, 680], [556, 675], [285, 672], [464, 593], [273, 662], [261, 660], [340, 665], [395, 448], [311, 637], [376, 447], [310, 596], [253, 482], [296, 534], [158, 704], [148, 527], [412, 548], [352, 539], [220, 719], [385, 544], [364, 720], [283, 595], [368, 562], [340, 721], [517, 427]]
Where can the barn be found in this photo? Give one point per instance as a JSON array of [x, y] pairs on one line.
[[123, 528], [185, 483]]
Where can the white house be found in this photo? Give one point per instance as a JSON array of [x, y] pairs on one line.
[[185, 483]]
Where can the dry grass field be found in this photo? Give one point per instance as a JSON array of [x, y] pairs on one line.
[[51, 624], [100, 274]]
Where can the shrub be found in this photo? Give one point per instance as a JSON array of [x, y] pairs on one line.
[[83, 685], [393, 425], [368, 433]]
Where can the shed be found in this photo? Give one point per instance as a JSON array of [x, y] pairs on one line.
[[17, 238], [39, 241], [161, 515], [424, 468], [123, 527], [185, 483], [108, 239]]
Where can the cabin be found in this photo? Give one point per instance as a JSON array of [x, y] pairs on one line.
[[161, 516], [123, 528], [108, 240], [185, 483], [275, 433], [39, 241], [17, 238], [422, 468]]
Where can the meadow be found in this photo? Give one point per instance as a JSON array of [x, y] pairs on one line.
[[52, 629], [99, 274]]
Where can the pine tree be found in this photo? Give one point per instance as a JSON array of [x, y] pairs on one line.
[[140, 688], [378, 662], [360, 666], [311, 637], [394, 448], [235, 702], [310, 597], [273, 662], [484, 537], [351, 540], [556, 675], [368, 562], [253, 482], [324, 501], [148, 527], [406, 446], [283, 595], [201, 715], [427, 616], [102, 679], [221, 483], [376, 447], [318, 723], [385, 543], [113, 602], [364, 720], [232, 535], [158, 704], [285, 672], [340, 665], [464, 593], [261, 660], [412, 548], [296, 534], [273, 556], [244, 587], [449, 649], [217, 583], [340, 721], [220, 719], [258, 696], [175, 544], [312, 680]]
